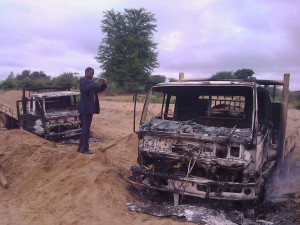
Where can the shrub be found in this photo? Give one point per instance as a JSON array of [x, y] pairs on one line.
[[297, 105]]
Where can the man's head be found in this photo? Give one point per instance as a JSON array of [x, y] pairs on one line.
[[89, 73]]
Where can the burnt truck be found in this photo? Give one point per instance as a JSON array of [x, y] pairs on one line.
[[49, 112], [217, 139]]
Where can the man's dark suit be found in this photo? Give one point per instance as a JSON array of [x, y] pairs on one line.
[[87, 106]]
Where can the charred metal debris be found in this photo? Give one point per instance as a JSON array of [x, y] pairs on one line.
[[49, 112], [208, 139]]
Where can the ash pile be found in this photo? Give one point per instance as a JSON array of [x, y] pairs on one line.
[[280, 210]]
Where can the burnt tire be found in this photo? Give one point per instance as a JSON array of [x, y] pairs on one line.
[[4, 121], [13, 123]]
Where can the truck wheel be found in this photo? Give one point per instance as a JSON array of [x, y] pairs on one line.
[[4, 121], [13, 123]]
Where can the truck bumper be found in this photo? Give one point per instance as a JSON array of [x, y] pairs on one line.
[[192, 186]]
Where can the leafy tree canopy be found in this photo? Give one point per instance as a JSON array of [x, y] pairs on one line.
[[33, 79], [239, 74], [172, 80], [243, 73], [155, 79], [66, 79], [222, 75], [127, 53], [38, 79], [32, 76]]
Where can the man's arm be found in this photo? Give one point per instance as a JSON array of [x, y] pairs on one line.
[[103, 85], [86, 85]]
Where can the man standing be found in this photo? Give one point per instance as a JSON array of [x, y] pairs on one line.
[[88, 105]]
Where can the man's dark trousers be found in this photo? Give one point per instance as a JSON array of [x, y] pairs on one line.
[[86, 120]]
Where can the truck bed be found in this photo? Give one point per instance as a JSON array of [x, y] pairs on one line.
[[8, 101]]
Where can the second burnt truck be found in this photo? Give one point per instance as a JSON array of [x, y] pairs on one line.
[[49, 112], [212, 139]]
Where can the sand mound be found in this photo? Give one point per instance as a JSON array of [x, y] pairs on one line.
[[52, 184]]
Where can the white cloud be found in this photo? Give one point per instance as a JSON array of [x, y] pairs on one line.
[[172, 41]]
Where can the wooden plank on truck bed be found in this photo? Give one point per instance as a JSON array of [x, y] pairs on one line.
[[8, 101], [12, 112]]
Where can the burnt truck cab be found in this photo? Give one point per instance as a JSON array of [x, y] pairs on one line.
[[51, 114], [208, 139]]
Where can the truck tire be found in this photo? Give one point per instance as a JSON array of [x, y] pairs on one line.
[[13, 123], [4, 121]]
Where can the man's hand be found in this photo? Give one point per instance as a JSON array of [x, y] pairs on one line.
[[101, 80]]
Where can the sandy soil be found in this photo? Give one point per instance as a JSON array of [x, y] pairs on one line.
[[51, 183]]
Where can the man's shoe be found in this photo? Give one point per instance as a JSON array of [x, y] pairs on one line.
[[86, 152]]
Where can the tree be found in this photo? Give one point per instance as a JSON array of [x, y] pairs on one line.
[[155, 79], [243, 73], [39, 75], [66, 79], [9, 83], [23, 75], [222, 75], [127, 53], [11, 75], [239, 74], [172, 79]]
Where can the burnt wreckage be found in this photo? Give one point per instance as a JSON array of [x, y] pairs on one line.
[[211, 139], [49, 112]]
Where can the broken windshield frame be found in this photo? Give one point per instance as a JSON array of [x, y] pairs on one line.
[[218, 106], [60, 104]]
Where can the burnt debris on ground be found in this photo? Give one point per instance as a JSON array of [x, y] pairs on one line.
[[284, 210], [75, 141]]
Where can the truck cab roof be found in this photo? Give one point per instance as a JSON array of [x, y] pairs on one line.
[[54, 94], [204, 82]]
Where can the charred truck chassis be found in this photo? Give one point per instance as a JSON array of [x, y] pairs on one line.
[[211, 139], [49, 112]]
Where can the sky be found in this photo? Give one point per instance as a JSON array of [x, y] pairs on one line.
[[197, 37]]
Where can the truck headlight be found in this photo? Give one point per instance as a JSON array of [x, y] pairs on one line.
[[60, 121], [208, 147], [163, 145], [235, 150], [149, 142], [157, 144]]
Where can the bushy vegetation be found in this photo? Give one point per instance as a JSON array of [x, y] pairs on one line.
[[39, 79], [70, 79], [239, 74], [297, 105], [294, 99]]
